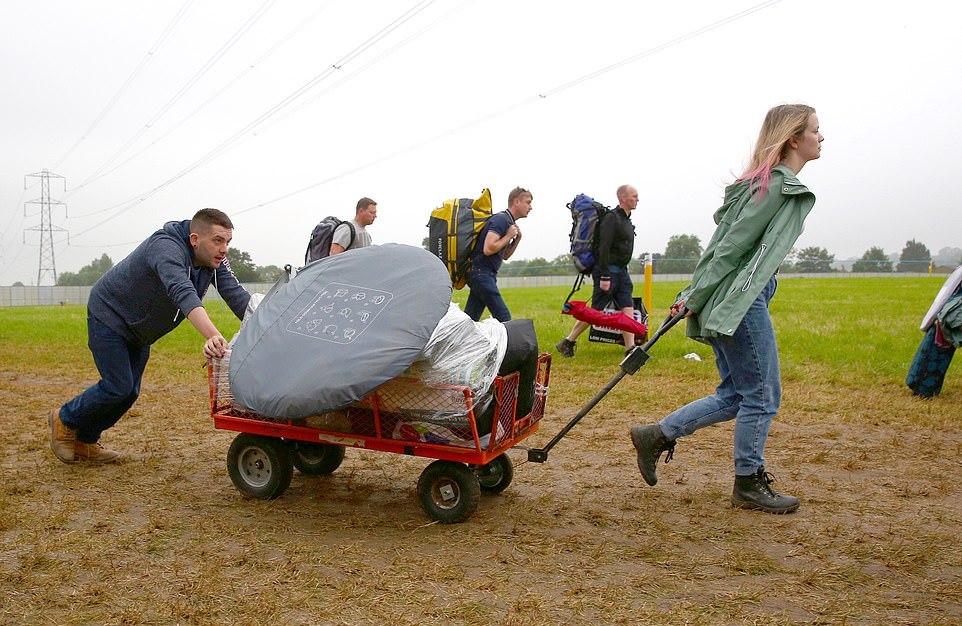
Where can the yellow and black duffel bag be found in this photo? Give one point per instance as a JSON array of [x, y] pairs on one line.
[[453, 230]]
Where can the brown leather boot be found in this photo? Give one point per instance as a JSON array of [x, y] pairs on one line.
[[94, 453], [755, 492], [649, 443], [62, 439]]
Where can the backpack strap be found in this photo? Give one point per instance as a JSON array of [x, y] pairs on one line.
[[510, 219], [579, 280], [350, 225]]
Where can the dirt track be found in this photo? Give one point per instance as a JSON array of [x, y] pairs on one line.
[[165, 538]]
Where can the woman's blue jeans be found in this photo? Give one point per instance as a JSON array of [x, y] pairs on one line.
[[750, 390], [121, 365]]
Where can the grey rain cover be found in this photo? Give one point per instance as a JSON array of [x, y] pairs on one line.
[[342, 326]]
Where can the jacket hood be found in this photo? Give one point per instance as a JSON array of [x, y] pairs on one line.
[[179, 232]]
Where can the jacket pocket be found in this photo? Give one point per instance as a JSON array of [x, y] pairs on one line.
[[754, 266]]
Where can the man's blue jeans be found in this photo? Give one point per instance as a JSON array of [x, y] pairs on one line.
[[121, 365], [750, 390], [484, 293]]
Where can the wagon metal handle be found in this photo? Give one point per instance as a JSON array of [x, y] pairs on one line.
[[629, 365]]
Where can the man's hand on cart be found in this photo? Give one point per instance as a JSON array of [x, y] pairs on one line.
[[215, 347]]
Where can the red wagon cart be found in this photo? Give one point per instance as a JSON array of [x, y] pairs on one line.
[[403, 416]]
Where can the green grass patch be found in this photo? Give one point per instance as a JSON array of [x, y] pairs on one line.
[[165, 538], [851, 330]]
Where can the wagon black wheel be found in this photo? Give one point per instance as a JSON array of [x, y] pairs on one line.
[[317, 458], [449, 492], [260, 467], [494, 477]]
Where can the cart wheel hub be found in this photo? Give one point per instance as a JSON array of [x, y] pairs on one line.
[[447, 493]]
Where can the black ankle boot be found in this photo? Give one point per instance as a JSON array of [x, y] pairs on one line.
[[650, 442], [755, 492]]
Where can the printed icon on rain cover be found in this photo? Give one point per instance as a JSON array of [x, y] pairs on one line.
[[340, 313]]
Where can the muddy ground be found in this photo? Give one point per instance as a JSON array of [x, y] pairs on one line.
[[165, 538]]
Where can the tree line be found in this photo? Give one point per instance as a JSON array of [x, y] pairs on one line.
[[682, 253], [680, 257], [240, 262]]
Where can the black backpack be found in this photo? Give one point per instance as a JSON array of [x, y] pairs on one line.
[[320, 244]]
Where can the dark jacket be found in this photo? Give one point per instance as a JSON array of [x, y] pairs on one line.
[[616, 240], [152, 290]]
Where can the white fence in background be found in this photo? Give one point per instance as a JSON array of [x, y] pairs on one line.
[[62, 296]]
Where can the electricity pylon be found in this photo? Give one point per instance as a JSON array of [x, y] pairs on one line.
[[48, 262]]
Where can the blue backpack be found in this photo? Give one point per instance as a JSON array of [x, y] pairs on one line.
[[586, 214]]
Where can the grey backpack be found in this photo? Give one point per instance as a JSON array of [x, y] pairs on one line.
[[319, 245]]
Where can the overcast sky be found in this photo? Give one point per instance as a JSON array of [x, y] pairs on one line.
[[281, 112]]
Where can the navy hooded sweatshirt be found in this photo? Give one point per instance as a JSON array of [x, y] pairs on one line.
[[150, 292]]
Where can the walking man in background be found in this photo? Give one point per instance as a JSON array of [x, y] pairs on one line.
[[353, 233], [496, 242], [612, 282]]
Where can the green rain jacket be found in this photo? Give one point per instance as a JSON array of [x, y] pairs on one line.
[[752, 239]]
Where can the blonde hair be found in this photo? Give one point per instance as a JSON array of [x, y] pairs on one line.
[[782, 123]]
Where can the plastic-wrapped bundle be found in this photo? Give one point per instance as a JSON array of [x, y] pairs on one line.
[[252, 305], [224, 400], [462, 352]]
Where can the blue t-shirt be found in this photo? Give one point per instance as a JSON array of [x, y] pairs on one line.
[[498, 223]]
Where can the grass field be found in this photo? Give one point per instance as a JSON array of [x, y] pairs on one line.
[[164, 538]]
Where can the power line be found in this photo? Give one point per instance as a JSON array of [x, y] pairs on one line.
[[231, 41], [130, 79], [397, 153], [250, 67], [370, 63], [658, 48], [531, 99], [230, 141], [128, 204], [106, 245]]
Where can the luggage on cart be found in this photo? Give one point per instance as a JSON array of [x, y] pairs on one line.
[[404, 417], [342, 326], [366, 350]]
